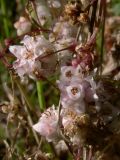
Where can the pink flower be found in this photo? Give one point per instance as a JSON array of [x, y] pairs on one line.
[[72, 96], [43, 14], [67, 73], [54, 3], [23, 26], [48, 124], [27, 54], [25, 63], [64, 30], [75, 92], [76, 89], [64, 35]]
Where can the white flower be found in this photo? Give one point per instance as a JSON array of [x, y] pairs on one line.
[[64, 55], [39, 45], [27, 54], [72, 91], [67, 73], [54, 3], [18, 51], [23, 26], [25, 64], [64, 35], [64, 30], [48, 124], [43, 14], [72, 96], [75, 91]]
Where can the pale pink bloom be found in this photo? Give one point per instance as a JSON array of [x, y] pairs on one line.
[[25, 63], [78, 105], [65, 55], [71, 74], [64, 35], [39, 45], [48, 124], [75, 91], [23, 26], [18, 51], [63, 30], [26, 67], [67, 73], [54, 3], [72, 96], [72, 91], [27, 54], [43, 14]]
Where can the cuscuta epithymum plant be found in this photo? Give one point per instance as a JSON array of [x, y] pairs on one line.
[[84, 118]]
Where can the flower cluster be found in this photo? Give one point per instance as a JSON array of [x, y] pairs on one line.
[[62, 44], [77, 91], [27, 54], [48, 124], [39, 52]]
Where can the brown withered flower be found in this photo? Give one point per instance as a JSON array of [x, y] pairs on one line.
[[83, 18], [72, 11]]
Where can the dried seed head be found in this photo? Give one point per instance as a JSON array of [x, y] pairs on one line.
[[83, 18], [72, 11], [83, 120]]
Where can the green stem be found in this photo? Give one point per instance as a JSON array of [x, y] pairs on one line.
[[5, 19], [41, 98]]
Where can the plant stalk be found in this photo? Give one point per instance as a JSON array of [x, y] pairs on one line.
[[5, 19], [41, 98]]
